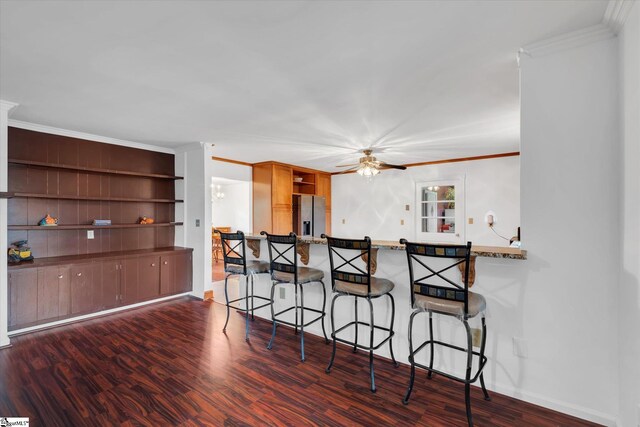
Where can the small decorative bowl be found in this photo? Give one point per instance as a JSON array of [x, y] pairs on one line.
[[297, 179]]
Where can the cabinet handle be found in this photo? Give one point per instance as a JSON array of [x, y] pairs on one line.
[[79, 274], [60, 276], [153, 264], [165, 263]]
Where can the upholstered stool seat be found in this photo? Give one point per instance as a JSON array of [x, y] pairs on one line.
[[305, 275], [378, 287], [253, 267], [477, 305]]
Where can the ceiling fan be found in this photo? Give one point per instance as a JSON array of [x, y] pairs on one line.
[[368, 166]]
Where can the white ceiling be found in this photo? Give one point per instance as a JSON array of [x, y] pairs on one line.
[[307, 83]]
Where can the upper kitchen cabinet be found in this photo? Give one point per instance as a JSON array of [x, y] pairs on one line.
[[275, 184]]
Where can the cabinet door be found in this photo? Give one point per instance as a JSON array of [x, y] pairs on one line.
[[23, 297], [129, 281], [148, 277], [168, 274], [64, 291], [282, 220], [48, 293], [82, 289], [183, 272], [110, 284], [281, 187]]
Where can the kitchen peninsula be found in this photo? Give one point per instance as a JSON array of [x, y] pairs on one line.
[[388, 261]]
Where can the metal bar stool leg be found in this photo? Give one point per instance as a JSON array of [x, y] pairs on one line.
[[355, 342], [253, 317], [333, 334], [413, 366], [482, 346], [226, 297], [296, 309], [246, 308], [467, 382], [393, 314], [430, 374], [273, 320], [324, 310], [301, 321], [373, 380]]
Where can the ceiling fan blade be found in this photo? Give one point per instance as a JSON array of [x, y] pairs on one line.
[[348, 170], [348, 166], [384, 165]]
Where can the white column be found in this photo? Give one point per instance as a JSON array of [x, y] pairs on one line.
[[5, 107]]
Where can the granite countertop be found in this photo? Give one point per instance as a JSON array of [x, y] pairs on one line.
[[394, 245]]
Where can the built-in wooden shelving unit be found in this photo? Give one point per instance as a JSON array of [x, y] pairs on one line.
[[91, 170], [97, 199], [91, 226]]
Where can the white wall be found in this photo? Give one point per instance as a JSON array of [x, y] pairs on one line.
[[193, 162], [629, 295], [376, 207], [569, 190], [234, 210], [5, 107]]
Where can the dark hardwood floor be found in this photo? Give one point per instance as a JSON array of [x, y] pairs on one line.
[[170, 364]]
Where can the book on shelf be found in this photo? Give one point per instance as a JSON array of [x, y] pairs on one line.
[[99, 222]]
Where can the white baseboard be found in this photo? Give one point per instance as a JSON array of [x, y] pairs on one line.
[[92, 315]]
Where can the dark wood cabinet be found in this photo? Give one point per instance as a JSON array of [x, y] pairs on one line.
[[148, 278], [41, 293], [54, 293], [23, 297]]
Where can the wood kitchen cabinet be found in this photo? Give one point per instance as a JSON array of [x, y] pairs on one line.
[[46, 290], [273, 190]]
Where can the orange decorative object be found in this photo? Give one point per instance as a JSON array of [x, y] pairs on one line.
[[48, 221], [145, 220]]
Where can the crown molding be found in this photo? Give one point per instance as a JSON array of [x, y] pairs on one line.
[[88, 136], [566, 41], [7, 105], [616, 14]]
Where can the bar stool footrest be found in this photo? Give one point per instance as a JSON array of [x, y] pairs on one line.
[[361, 346], [483, 361]]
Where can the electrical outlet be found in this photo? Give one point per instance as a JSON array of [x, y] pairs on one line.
[[344, 221], [283, 293], [90, 234], [476, 336], [402, 222], [470, 220], [406, 207], [520, 347], [197, 223]]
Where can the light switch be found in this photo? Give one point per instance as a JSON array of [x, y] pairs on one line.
[[90, 234], [470, 220], [197, 223], [344, 221], [406, 207], [402, 222]]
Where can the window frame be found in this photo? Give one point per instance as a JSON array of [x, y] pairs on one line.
[[459, 236]]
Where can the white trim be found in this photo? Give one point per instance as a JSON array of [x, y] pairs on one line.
[[7, 105], [554, 404], [189, 147], [88, 136], [92, 315], [567, 41], [616, 14]]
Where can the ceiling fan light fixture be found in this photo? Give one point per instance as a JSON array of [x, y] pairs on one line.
[[368, 171]]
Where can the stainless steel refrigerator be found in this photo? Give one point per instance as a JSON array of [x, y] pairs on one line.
[[308, 215]]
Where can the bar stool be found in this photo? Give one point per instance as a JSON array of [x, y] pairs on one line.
[[284, 270], [442, 295], [351, 279], [236, 264]]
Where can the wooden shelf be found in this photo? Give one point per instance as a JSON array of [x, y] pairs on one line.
[[91, 170], [91, 226], [98, 199], [304, 183], [6, 195]]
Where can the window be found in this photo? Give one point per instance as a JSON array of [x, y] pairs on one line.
[[440, 210]]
